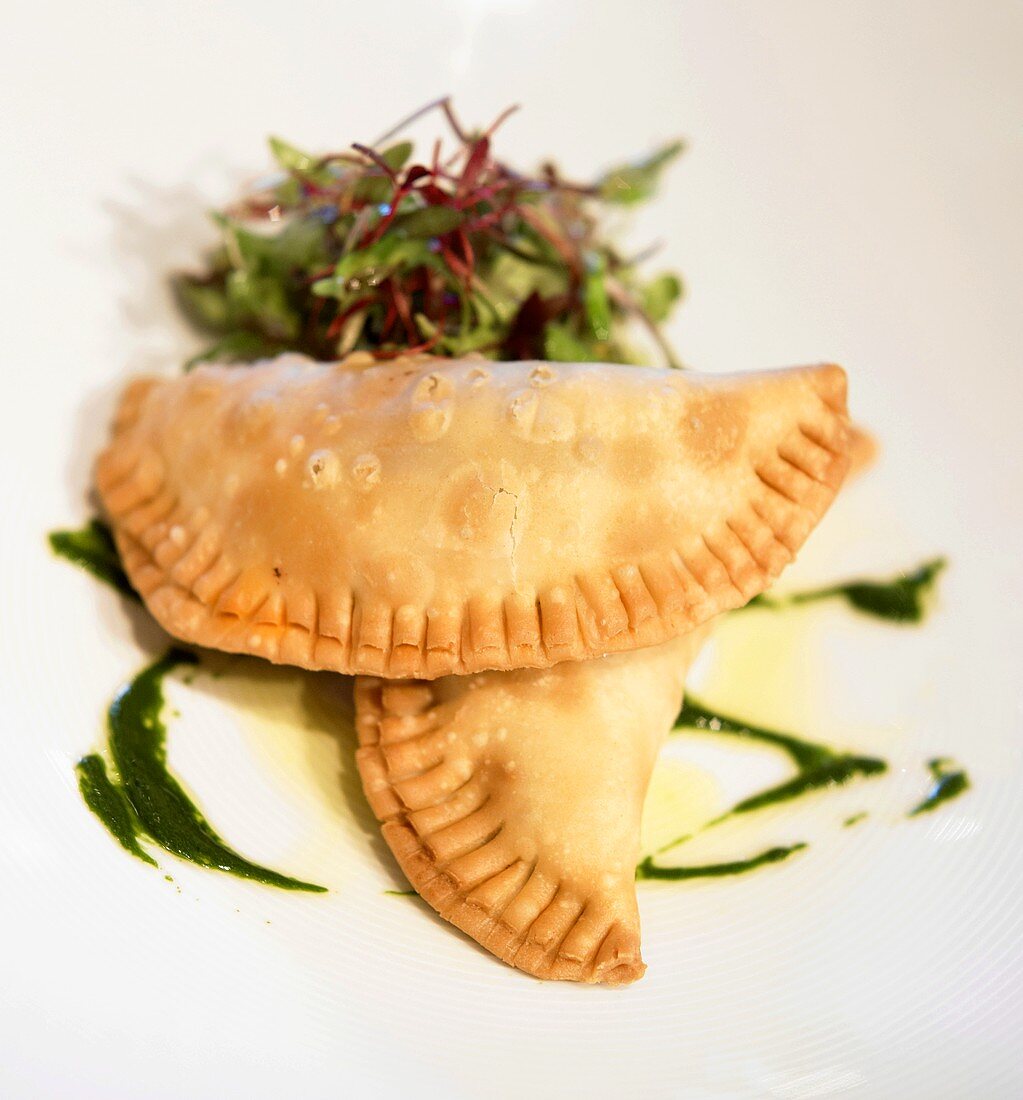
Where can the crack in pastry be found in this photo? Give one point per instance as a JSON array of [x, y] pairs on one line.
[[512, 800], [424, 517]]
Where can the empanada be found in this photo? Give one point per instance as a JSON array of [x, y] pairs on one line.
[[512, 800], [424, 517]]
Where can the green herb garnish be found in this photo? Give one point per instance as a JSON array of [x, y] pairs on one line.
[[648, 869], [143, 800], [902, 599], [374, 249], [948, 781], [817, 765], [92, 548]]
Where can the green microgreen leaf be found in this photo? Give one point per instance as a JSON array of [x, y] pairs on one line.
[[396, 156], [659, 296], [511, 279], [481, 339], [289, 156], [636, 182], [366, 268], [299, 243], [295, 160], [204, 304], [288, 193], [429, 221], [264, 300], [598, 309], [563, 346], [235, 347], [373, 189]]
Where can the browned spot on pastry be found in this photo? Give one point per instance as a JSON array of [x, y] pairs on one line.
[[626, 536], [713, 426], [636, 459]]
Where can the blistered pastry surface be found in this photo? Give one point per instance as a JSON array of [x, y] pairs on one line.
[[424, 517]]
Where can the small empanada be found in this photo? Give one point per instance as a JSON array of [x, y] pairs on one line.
[[424, 517], [512, 800]]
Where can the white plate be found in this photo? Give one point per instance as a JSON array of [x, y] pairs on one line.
[[851, 193]]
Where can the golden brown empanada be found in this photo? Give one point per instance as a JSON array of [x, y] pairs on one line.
[[512, 800], [423, 517]]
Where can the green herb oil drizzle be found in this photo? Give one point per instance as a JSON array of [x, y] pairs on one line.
[[817, 766], [950, 781], [92, 548], [650, 870], [148, 801], [903, 599], [110, 804]]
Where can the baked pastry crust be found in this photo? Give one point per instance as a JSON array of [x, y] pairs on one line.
[[512, 800], [424, 517]]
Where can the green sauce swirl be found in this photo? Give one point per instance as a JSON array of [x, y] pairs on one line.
[[817, 766], [647, 869], [949, 781], [147, 802], [92, 548], [902, 599]]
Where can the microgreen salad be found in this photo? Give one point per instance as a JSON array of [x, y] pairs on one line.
[[376, 248]]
